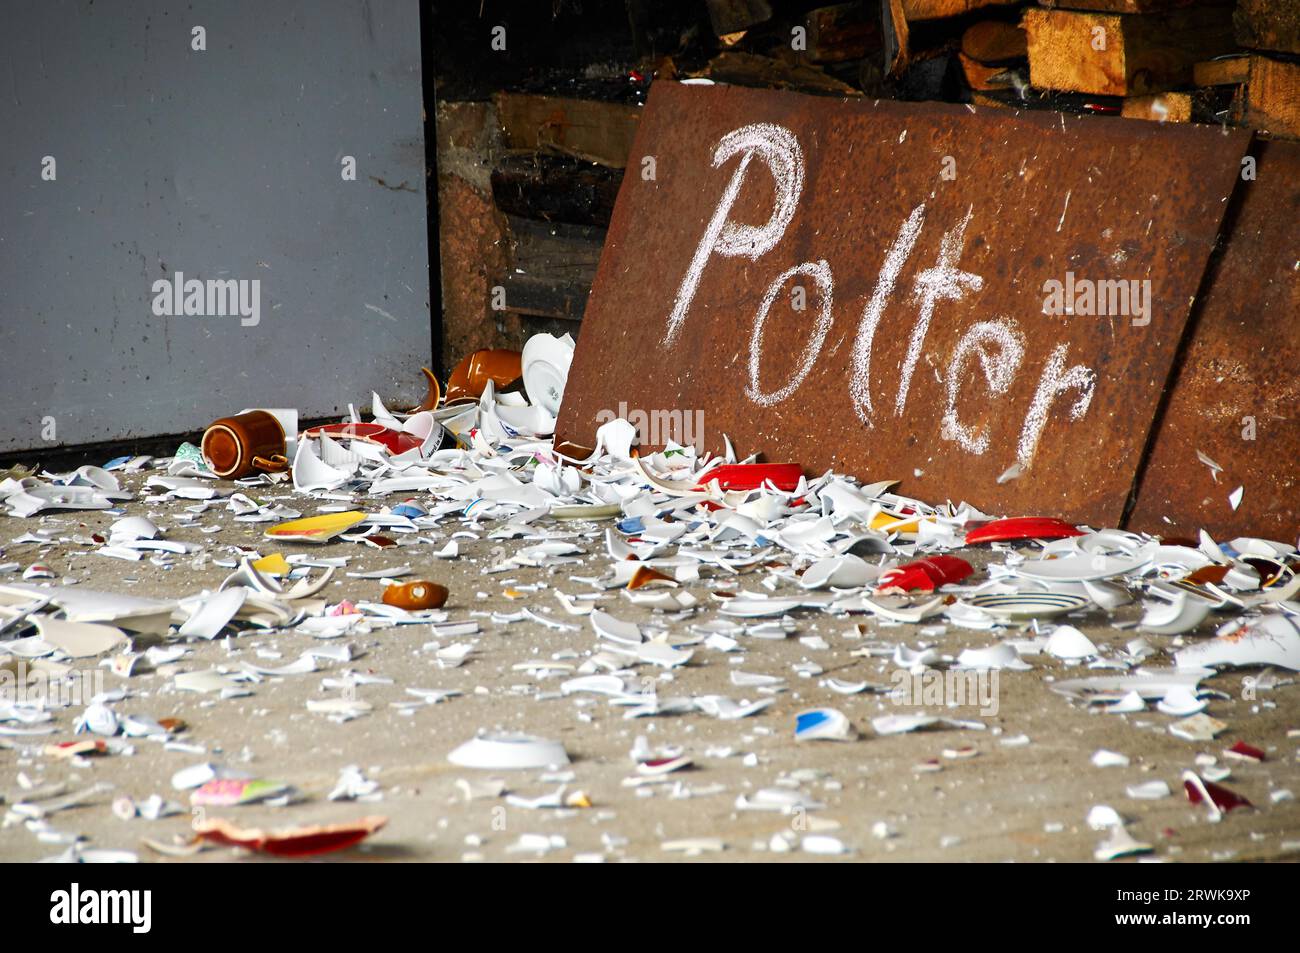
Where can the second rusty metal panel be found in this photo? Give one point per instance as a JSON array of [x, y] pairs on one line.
[[1236, 395], [1046, 195]]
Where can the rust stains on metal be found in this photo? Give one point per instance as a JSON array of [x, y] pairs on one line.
[[862, 286], [1236, 396]]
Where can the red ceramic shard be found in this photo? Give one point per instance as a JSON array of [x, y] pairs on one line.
[[291, 842], [1022, 527], [926, 574], [1223, 799], [1245, 752], [394, 441], [750, 476]]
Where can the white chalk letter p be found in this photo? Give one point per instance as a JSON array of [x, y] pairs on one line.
[[778, 148]]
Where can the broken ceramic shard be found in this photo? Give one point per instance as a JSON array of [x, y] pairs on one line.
[[509, 751], [303, 841], [823, 724], [1270, 640], [315, 529], [1018, 528], [1217, 799], [925, 574], [1027, 605]]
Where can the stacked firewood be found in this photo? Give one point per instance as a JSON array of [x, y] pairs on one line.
[[1164, 60]]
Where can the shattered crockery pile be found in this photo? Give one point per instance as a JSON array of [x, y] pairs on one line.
[[431, 636]]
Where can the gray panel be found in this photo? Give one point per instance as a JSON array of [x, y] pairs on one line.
[[224, 164]]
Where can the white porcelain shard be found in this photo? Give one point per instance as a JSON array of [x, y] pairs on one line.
[[998, 656], [214, 613], [78, 639], [1067, 642], [1082, 568], [823, 724], [1180, 614], [310, 473], [1120, 843], [616, 630], [506, 751], [1269, 640], [839, 572]]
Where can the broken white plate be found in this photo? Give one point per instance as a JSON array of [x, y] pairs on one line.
[[1270, 640], [546, 360], [132, 528], [1107, 595], [901, 724], [1181, 703], [311, 473], [1027, 605], [998, 656], [205, 682], [1067, 642], [1120, 843], [900, 608], [508, 751], [1103, 758], [1082, 568], [1148, 791], [759, 608], [839, 572], [37, 498], [1151, 684], [214, 613], [1182, 613], [78, 639], [616, 630], [658, 653]]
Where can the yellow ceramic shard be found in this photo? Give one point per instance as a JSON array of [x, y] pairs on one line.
[[316, 529], [893, 523], [273, 565]]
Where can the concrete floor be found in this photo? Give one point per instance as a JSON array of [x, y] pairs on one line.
[[1024, 803]]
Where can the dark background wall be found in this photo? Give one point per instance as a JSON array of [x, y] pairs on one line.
[[221, 164]]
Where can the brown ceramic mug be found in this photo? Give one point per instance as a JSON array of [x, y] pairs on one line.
[[244, 444], [468, 381]]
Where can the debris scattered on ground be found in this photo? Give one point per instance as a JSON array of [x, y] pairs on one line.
[[841, 609]]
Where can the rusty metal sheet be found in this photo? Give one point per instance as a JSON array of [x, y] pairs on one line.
[[1236, 395], [992, 380]]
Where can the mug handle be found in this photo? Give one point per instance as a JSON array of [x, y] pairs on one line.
[[277, 463]]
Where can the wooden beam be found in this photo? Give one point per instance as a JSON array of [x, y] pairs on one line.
[[583, 128], [1109, 54], [749, 69], [1273, 97], [1160, 107], [1230, 71], [938, 9], [1125, 6]]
